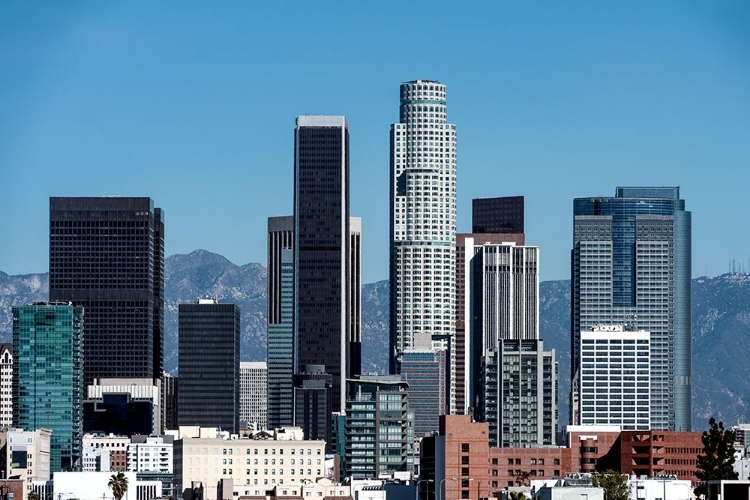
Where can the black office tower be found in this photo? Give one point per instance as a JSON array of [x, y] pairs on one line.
[[209, 365], [107, 255], [312, 403], [503, 214], [326, 273]]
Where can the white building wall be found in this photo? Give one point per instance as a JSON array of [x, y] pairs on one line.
[[423, 221], [254, 393], [615, 378]]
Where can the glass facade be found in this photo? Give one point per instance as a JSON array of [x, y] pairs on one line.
[[426, 374], [498, 215], [379, 428], [280, 343], [48, 377], [209, 365], [326, 254], [519, 401], [631, 265], [107, 255]]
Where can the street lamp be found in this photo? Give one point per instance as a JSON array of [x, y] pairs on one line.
[[418, 482], [442, 485]]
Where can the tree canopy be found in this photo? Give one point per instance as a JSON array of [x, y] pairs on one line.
[[717, 459], [118, 483], [615, 485]]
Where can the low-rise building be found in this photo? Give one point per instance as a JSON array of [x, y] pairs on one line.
[[27, 455], [204, 456], [117, 446]]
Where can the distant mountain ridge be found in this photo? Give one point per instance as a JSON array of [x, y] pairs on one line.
[[721, 324]]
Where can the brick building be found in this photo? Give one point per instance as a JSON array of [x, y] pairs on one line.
[[660, 453], [463, 465]]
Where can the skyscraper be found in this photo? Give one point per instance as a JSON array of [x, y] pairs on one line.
[[326, 253], [512, 377], [48, 377], [107, 255], [6, 384], [423, 223], [209, 365], [519, 396], [631, 265], [379, 427], [425, 372], [280, 343], [312, 403], [506, 215]]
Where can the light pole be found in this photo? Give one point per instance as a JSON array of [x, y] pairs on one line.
[[418, 482], [442, 481]]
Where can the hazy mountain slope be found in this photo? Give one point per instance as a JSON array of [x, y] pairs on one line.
[[721, 324]]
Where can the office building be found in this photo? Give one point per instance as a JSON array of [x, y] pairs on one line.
[[209, 365], [379, 427], [6, 385], [519, 396], [427, 377], [254, 394], [169, 387], [512, 380], [503, 213], [615, 378], [48, 377], [123, 406], [631, 265], [312, 403], [423, 225], [326, 253], [280, 343], [107, 255]]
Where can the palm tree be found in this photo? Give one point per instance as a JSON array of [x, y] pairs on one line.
[[118, 483]]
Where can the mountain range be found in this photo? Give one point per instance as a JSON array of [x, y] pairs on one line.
[[721, 324]]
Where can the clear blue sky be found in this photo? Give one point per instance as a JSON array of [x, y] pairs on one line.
[[193, 104]]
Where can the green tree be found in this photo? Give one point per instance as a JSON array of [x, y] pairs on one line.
[[118, 483], [522, 478], [717, 459], [615, 484], [33, 495], [517, 495]]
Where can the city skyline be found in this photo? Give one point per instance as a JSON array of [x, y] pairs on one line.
[[600, 95]]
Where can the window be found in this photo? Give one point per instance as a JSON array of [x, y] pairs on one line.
[[464, 447]]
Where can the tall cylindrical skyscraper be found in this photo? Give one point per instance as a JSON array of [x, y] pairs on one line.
[[423, 223]]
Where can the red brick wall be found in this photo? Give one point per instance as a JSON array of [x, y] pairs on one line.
[[656, 453]]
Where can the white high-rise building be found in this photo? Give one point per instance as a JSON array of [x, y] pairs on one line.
[[423, 224], [6, 384], [254, 393], [615, 378]]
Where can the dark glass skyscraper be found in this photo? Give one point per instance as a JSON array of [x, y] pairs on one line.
[[209, 365], [631, 265], [280, 329], [497, 215], [326, 259], [48, 377], [107, 255]]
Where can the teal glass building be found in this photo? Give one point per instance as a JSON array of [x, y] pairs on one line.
[[48, 377], [631, 265]]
